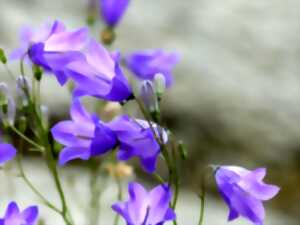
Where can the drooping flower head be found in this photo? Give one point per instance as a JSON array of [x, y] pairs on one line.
[[13, 215], [145, 64], [99, 75], [52, 47], [112, 11], [136, 139], [83, 136], [7, 152], [244, 191], [146, 208]]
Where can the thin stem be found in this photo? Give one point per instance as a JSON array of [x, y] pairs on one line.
[[33, 188], [176, 176], [119, 185], [11, 75], [158, 178], [202, 206], [41, 148], [95, 194]]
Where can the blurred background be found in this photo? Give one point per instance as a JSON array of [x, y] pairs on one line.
[[236, 98]]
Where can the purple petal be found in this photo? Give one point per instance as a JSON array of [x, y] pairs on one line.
[[103, 141], [71, 153], [7, 152], [146, 63], [12, 210], [149, 164], [160, 198], [30, 214], [233, 214], [67, 41], [112, 10], [78, 113], [66, 133]]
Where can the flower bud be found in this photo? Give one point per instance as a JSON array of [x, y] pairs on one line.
[[160, 85], [23, 87], [148, 96], [3, 58], [22, 124], [45, 115], [182, 150], [37, 72], [8, 107]]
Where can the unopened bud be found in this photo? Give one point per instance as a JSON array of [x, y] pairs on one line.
[[22, 124], [182, 150], [148, 96], [23, 87], [3, 58], [45, 115], [8, 107], [160, 85], [3, 94], [37, 72]]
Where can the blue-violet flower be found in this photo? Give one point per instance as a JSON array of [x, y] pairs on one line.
[[112, 11], [243, 191], [145, 64], [52, 47], [13, 215], [146, 208]]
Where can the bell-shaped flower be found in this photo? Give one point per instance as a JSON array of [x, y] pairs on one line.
[[112, 11], [244, 191], [99, 75], [146, 208], [83, 137], [7, 152], [136, 139], [145, 64], [52, 47], [14, 216]]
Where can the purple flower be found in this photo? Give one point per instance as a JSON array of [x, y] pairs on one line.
[[112, 11], [99, 75], [13, 215], [52, 47], [243, 191], [146, 64], [136, 139], [146, 208], [83, 136], [7, 152]]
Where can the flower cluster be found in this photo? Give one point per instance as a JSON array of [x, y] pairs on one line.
[[76, 57]]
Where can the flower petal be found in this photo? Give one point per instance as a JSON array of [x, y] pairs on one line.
[[71, 153], [7, 152]]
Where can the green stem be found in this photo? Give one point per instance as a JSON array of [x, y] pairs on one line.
[[33, 188], [119, 185], [44, 139], [176, 178], [95, 194], [158, 178], [41, 148], [202, 205]]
